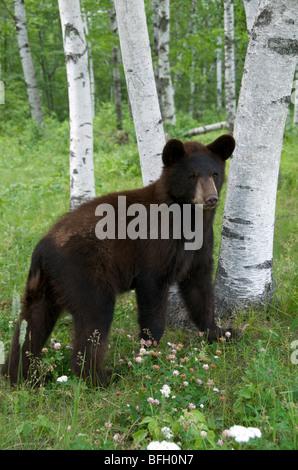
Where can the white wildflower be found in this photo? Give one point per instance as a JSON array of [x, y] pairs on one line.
[[63, 378], [243, 434], [164, 445], [167, 432], [165, 390]]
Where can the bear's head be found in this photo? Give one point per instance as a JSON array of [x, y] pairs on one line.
[[195, 173]]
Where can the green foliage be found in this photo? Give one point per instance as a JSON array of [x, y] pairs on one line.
[[192, 55]]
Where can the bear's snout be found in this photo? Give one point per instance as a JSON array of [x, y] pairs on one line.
[[211, 200]]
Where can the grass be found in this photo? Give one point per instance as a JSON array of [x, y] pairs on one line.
[[251, 383]]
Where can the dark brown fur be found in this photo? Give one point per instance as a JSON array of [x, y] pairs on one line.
[[73, 270]]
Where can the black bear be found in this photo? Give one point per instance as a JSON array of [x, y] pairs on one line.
[[77, 268]]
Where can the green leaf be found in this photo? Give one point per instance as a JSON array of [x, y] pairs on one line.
[[147, 419], [154, 428], [244, 392], [198, 415], [139, 436], [24, 429]]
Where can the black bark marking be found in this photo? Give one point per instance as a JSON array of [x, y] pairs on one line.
[[238, 220], [264, 18], [241, 186], [265, 265], [69, 28], [226, 232], [283, 46]]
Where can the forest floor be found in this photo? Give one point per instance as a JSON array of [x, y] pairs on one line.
[[252, 382]]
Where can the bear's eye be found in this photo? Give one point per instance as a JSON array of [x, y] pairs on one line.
[[193, 177], [215, 175]]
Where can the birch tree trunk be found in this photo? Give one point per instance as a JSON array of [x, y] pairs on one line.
[[219, 75], [192, 85], [244, 274], [91, 69], [82, 186], [138, 68], [166, 90], [295, 117], [230, 94], [27, 62], [155, 21], [251, 8], [116, 71]]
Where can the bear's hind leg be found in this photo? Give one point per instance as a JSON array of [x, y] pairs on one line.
[[92, 324], [37, 319]]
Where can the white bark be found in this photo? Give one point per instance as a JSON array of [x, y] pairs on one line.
[[251, 8], [295, 117], [192, 85], [116, 71], [27, 62], [82, 186], [244, 274], [204, 129], [219, 75], [91, 69], [155, 21], [2, 92], [166, 89], [138, 68], [230, 94]]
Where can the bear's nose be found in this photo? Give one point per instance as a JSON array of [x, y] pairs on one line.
[[211, 200]]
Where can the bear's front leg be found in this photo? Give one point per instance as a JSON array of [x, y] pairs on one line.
[[198, 295]]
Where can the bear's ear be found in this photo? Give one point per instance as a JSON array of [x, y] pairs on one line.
[[223, 146], [173, 151]]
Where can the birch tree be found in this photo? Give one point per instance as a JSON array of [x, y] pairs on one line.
[[230, 93], [27, 62], [251, 8], [155, 21], [295, 117], [91, 69], [166, 91], [219, 75], [82, 186], [116, 70], [244, 274], [138, 68]]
